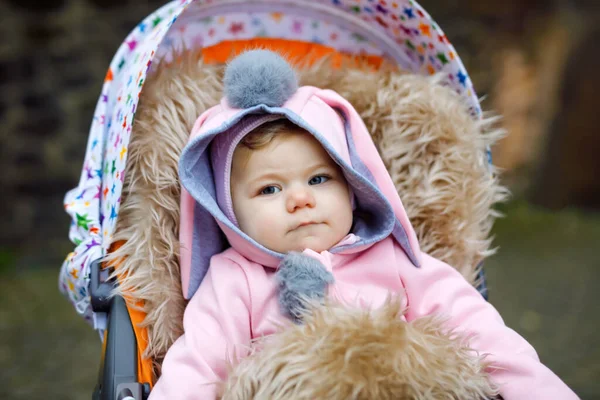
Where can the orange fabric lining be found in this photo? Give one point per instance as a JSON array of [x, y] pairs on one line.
[[295, 52], [145, 372]]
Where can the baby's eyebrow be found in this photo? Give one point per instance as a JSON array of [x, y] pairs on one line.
[[321, 165], [318, 165], [265, 177]]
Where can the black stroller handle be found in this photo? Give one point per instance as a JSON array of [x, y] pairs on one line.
[[100, 292], [117, 377]]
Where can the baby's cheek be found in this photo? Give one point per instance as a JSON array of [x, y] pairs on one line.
[[267, 222]]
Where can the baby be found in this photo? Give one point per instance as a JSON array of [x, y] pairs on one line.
[[292, 180]]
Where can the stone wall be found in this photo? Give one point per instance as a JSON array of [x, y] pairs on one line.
[[54, 54], [53, 57]]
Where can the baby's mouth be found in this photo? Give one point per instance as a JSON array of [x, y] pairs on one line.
[[304, 224]]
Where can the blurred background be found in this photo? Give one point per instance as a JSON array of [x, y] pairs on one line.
[[536, 62]]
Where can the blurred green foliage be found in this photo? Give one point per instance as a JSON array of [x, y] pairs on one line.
[[7, 260]]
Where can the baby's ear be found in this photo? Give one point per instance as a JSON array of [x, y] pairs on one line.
[[259, 77]]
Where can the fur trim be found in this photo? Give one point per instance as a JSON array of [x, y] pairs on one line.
[[431, 145], [341, 353], [436, 154], [148, 219]]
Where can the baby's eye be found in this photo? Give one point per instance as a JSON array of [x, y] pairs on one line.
[[317, 180], [270, 190]]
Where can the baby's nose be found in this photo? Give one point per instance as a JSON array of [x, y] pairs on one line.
[[300, 198]]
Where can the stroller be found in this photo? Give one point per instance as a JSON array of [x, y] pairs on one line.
[[388, 58]]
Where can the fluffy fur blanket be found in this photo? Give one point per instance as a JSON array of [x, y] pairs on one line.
[[433, 148], [341, 354]]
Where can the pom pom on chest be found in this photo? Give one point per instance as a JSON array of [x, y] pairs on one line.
[[259, 77], [301, 279]]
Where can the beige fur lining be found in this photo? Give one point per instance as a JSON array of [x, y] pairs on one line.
[[432, 147], [341, 353], [171, 101]]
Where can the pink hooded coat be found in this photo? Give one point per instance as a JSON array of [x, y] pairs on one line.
[[234, 292]]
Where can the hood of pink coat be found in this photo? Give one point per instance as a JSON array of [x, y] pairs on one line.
[[205, 228]]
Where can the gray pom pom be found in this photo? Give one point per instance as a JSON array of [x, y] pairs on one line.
[[259, 77], [301, 278]]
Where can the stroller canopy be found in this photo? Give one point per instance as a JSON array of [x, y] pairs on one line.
[[399, 31]]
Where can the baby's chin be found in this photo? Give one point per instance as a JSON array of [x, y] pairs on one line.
[[314, 243]]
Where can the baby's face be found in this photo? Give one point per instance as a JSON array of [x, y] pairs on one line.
[[290, 195]]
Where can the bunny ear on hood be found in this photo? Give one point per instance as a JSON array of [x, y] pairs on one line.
[[260, 87], [366, 159]]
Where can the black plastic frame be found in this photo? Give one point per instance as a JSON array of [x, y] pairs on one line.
[[117, 377]]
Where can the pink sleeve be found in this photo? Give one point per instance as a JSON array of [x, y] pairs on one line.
[[216, 330], [438, 288]]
